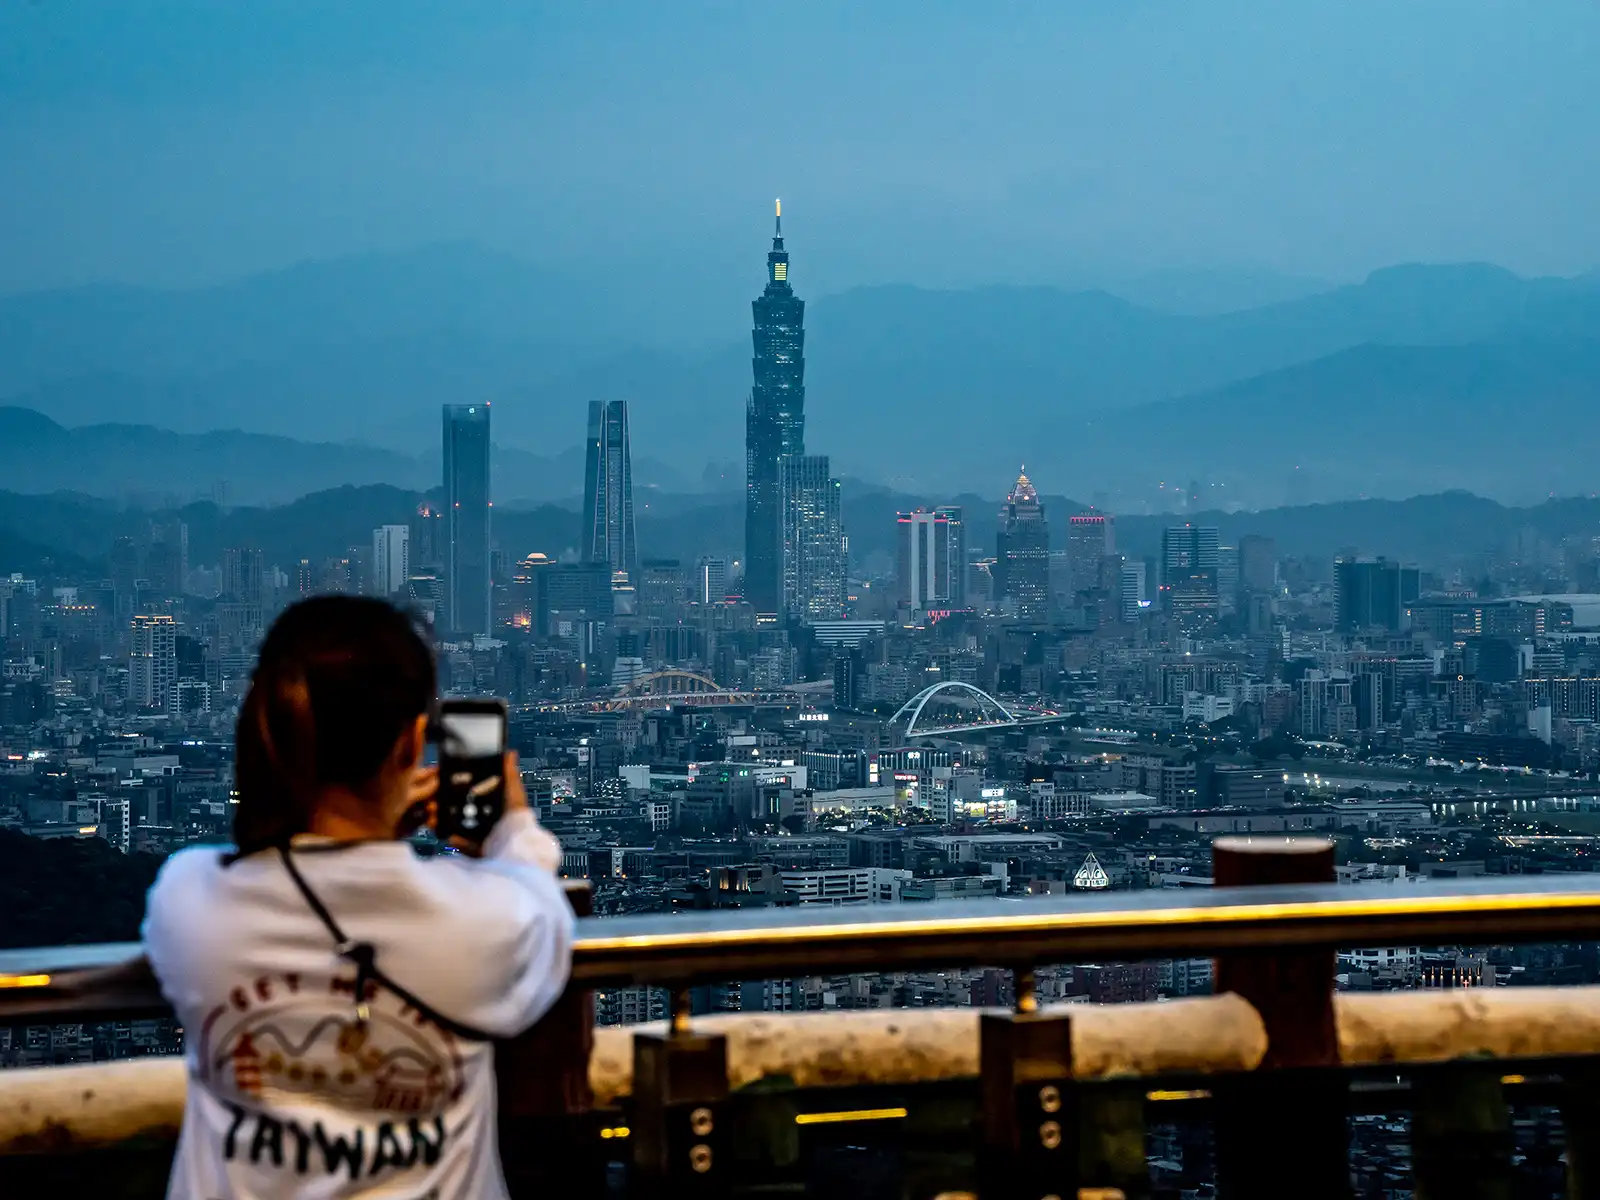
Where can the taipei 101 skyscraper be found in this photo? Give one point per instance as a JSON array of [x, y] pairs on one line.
[[774, 423]]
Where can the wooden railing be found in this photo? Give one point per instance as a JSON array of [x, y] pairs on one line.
[[1054, 1099]]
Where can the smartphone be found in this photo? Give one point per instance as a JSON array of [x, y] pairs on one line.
[[472, 751]]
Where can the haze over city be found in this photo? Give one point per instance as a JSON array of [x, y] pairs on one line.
[[371, 214]]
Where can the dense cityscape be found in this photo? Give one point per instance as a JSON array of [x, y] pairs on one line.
[[770, 728]]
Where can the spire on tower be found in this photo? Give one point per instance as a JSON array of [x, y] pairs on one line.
[[777, 239]]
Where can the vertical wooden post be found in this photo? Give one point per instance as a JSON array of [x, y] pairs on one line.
[[1580, 1114], [1292, 990], [542, 1077], [679, 1111], [1286, 1128], [1112, 1153], [1030, 1110], [1461, 1142]]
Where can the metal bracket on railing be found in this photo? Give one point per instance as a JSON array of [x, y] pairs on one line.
[[1030, 1125], [680, 1083]]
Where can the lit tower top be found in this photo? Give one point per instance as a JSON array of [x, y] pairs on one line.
[[1023, 491], [778, 258]]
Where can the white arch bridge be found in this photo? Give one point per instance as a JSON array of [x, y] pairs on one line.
[[975, 710]]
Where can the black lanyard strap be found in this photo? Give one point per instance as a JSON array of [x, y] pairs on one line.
[[364, 955]]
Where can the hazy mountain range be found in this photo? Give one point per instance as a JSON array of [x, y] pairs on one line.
[[160, 467], [1417, 379], [1449, 529]]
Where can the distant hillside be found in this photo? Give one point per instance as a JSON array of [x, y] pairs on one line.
[[933, 388], [36, 454], [1513, 419], [158, 466], [1206, 293], [1437, 529]]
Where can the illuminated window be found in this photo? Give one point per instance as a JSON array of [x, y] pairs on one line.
[[780, 272]]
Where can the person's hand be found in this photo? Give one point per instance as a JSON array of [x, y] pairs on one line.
[[516, 794], [421, 808], [424, 786]]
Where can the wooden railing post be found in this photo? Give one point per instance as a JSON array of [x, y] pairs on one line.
[[1580, 1116], [1030, 1111], [1283, 1130], [1461, 1139], [542, 1078], [678, 1112]]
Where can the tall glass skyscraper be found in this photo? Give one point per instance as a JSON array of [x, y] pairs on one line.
[[1189, 556], [811, 546], [608, 531], [1023, 554], [774, 424], [466, 519], [1090, 538]]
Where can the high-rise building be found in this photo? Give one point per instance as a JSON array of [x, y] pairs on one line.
[[391, 558], [153, 662], [577, 592], [1090, 537], [664, 589], [125, 578], [523, 590], [608, 530], [848, 668], [774, 424], [955, 525], [1132, 598], [1227, 579], [427, 539], [1258, 564], [167, 560], [1022, 556], [1371, 593], [244, 575], [932, 559], [811, 551], [467, 597], [241, 611], [711, 581], [1189, 561]]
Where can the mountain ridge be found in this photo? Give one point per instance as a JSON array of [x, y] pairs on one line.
[[77, 530], [369, 353], [118, 459]]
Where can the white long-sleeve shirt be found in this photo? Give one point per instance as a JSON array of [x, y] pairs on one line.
[[289, 1094]]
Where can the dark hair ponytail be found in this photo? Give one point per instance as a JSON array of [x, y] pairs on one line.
[[338, 680]]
